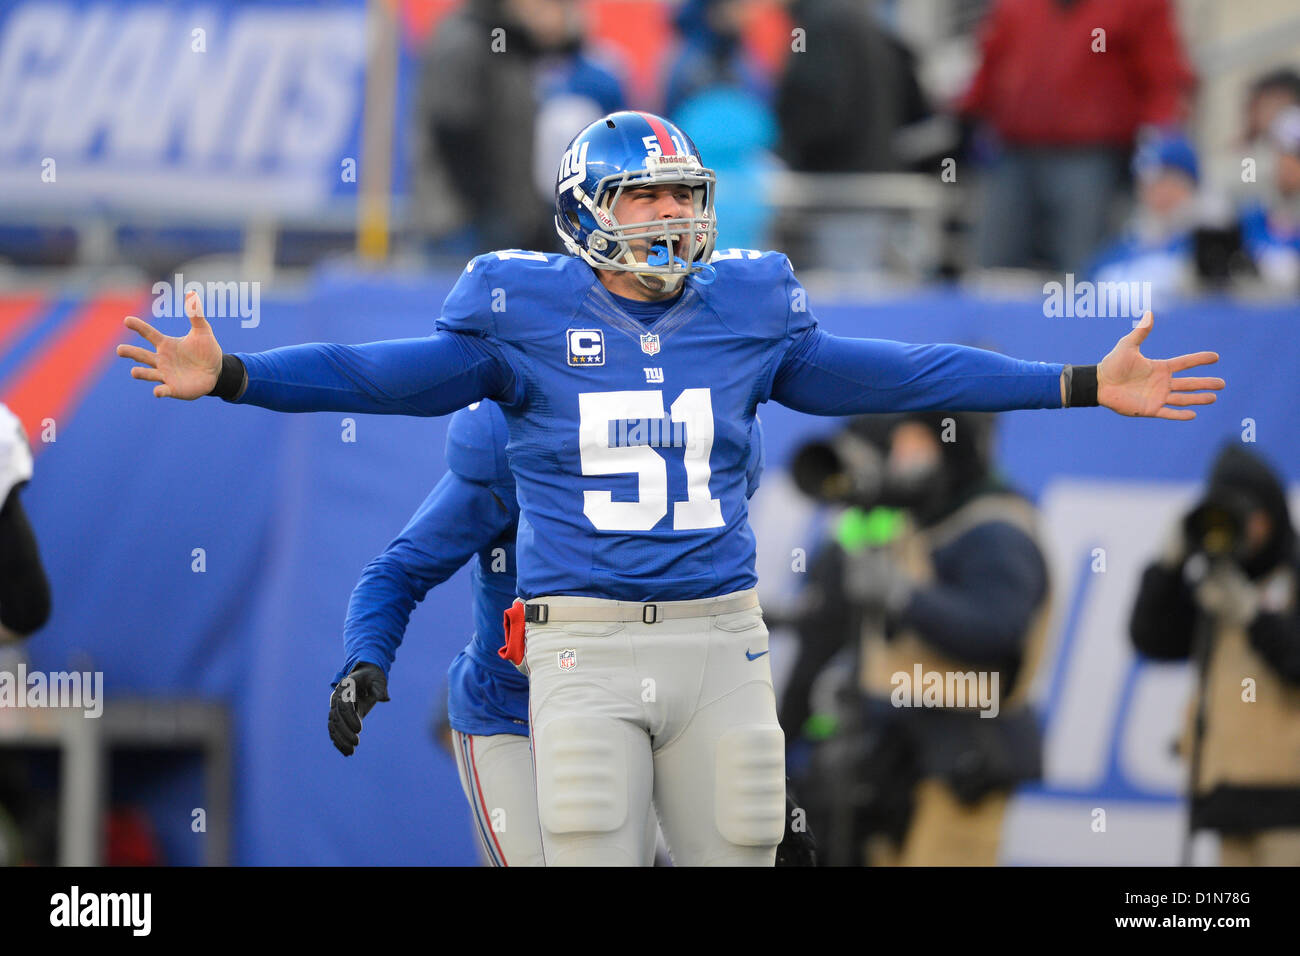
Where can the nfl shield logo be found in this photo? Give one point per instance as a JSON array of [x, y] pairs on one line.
[[568, 659], [649, 344]]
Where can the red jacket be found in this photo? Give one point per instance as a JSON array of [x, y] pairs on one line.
[[1040, 83]]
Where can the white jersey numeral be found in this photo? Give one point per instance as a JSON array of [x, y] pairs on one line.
[[694, 407], [722, 255], [694, 410], [595, 411]]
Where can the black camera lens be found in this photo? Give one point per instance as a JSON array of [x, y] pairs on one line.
[[1217, 526]]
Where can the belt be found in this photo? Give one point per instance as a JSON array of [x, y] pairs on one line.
[[595, 609]]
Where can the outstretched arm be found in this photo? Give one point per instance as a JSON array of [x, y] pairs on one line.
[[428, 376], [827, 375]]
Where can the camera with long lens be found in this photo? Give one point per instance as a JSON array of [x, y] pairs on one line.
[[846, 469], [1216, 527], [852, 468]]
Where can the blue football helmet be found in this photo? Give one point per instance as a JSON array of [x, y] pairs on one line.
[[622, 151]]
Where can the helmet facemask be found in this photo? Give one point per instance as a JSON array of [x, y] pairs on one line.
[[660, 252]]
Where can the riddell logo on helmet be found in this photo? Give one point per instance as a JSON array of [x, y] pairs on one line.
[[674, 159]]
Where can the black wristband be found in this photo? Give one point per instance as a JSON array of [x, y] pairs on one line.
[[231, 381], [1080, 386]]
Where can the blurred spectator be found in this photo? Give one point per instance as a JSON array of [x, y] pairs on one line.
[[735, 133], [1224, 594], [576, 86], [842, 101], [493, 114], [1269, 95], [716, 92], [1271, 231], [24, 590], [1158, 247], [1065, 85], [844, 104], [711, 54], [958, 592]]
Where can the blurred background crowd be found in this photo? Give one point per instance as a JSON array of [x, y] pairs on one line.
[[876, 140], [930, 167]]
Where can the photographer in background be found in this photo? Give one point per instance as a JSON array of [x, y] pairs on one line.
[[1224, 595], [24, 590], [952, 582]]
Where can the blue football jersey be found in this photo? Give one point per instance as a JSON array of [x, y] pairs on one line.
[[471, 515], [629, 441]]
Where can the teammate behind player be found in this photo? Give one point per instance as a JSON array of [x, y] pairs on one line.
[[471, 515], [645, 641]]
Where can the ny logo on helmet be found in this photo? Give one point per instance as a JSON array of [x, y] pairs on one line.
[[573, 167]]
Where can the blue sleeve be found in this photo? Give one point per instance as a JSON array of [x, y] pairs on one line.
[[826, 375], [993, 580], [429, 376], [457, 520]]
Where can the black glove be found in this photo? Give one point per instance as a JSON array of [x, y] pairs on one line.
[[352, 699], [797, 847]]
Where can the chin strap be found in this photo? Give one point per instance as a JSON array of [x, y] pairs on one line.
[[656, 282]]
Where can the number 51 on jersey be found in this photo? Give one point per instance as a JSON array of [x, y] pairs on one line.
[[693, 408]]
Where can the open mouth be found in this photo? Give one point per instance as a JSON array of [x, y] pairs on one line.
[[679, 243]]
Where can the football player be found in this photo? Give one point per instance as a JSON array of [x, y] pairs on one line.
[[471, 515], [629, 373]]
